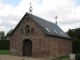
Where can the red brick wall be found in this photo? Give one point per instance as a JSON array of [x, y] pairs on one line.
[[58, 46], [42, 45]]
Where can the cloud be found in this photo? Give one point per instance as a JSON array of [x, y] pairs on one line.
[[67, 11], [4, 28], [0, 20], [13, 22], [67, 27]]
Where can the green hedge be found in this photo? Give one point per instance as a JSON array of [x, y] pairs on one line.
[[4, 44], [77, 57], [76, 46]]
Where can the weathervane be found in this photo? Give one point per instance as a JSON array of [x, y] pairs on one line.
[[56, 17], [30, 9]]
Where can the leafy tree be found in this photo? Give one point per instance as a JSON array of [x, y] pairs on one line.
[[2, 35], [75, 38], [77, 33], [8, 34], [74, 33]]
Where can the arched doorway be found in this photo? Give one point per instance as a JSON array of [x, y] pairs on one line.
[[27, 47]]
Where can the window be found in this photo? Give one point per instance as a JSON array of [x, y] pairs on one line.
[[55, 31], [22, 31], [61, 33], [27, 20], [32, 30], [47, 29], [27, 29]]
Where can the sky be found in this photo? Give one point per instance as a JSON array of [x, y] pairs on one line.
[[68, 12]]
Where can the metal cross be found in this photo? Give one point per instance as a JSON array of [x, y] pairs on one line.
[[30, 4], [30, 9], [56, 17]]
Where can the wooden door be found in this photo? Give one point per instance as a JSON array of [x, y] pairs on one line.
[[27, 48]]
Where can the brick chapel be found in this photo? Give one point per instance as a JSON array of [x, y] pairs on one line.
[[36, 37]]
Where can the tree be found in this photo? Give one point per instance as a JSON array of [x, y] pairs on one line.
[[74, 33], [2, 35], [77, 33], [8, 34]]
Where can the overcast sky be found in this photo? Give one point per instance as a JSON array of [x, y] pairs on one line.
[[68, 11]]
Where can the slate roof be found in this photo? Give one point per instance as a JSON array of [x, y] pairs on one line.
[[47, 27]]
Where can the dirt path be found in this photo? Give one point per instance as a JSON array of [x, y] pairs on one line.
[[9, 57]]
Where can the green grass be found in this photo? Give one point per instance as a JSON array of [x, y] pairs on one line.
[[61, 57], [4, 51]]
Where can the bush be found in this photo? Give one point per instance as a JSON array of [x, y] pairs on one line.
[[4, 44]]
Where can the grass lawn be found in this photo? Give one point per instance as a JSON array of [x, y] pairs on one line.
[[4, 51], [61, 57]]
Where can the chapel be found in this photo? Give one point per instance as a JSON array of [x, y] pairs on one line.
[[36, 37]]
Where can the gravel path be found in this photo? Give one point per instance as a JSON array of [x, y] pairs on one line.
[[9, 57]]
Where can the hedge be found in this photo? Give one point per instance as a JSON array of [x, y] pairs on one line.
[[4, 44], [76, 46]]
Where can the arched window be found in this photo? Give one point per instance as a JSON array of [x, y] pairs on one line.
[[27, 29], [22, 31], [32, 30]]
